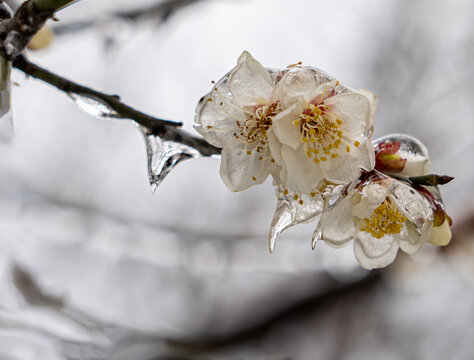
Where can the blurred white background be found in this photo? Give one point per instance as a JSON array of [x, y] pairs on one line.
[[93, 266]]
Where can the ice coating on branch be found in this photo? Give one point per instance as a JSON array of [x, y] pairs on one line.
[[13, 43], [163, 156], [402, 155], [6, 119], [292, 209], [94, 106]]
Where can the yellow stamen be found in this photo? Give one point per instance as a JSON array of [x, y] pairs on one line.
[[385, 220]]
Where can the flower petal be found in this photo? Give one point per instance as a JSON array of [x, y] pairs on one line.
[[298, 83], [337, 225], [249, 82], [412, 205], [373, 253], [440, 235], [347, 166], [373, 101], [354, 110], [413, 241], [373, 194], [239, 170], [285, 130], [302, 174]]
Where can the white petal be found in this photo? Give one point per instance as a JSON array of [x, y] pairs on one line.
[[440, 235], [297, 84], [347, 167], [249, 82], [282, 124], [302, 174], [375, 253], [411, 204], [413, 242], [354, 111], [337, 225], [238, 168], [217, 114], [373, 101], [373, 195]]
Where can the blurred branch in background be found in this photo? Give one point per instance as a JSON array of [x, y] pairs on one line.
[[160, 11]]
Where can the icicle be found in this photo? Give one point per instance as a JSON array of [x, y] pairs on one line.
[[94, 106], [6, 119], [317, 235], [163, 156], [292, 209]]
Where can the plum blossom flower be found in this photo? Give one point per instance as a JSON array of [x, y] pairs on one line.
[[381, 215], [237, 116], [323, 134], [296, 124]]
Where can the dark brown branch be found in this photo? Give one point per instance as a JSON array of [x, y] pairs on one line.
[[16, 32], [167, 130]]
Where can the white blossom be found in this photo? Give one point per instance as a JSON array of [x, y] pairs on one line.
[[237, 117], [296, 124], [381, 215], [323, 134]]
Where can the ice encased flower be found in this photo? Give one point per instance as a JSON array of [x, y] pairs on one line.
[[381, 215], [298, 124], [236, 116], [323, 134]]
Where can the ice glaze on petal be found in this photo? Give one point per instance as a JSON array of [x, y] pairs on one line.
[[250, 83]]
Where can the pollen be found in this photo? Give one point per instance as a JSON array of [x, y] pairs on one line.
[[356, 143], [301, 202], [254, 178], [249, 152], [385, 220], [285, 192], [295, 197], [321, 132], [313, 194]]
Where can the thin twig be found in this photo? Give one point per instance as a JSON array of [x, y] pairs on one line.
[[161, 11], [17, 31], [167, 130]]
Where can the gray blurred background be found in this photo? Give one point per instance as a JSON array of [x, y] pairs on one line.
[[93, 266]]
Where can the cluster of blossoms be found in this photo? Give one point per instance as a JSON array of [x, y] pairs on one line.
[[312, 135]]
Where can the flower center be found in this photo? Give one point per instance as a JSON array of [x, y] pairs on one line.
[[386, 219], [321, 133], [253, 131]]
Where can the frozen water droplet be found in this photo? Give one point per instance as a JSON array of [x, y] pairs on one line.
[[6, 119], [292, 209], [412, 150], [94, 106], [163, 156], [317, 235]]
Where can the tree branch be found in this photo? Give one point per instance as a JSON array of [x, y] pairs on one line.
[[167, 130], [16, 32]]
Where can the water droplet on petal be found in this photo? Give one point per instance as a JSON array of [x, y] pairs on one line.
[[163, 156], [292, 209], [6, 119], [94, 106]]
